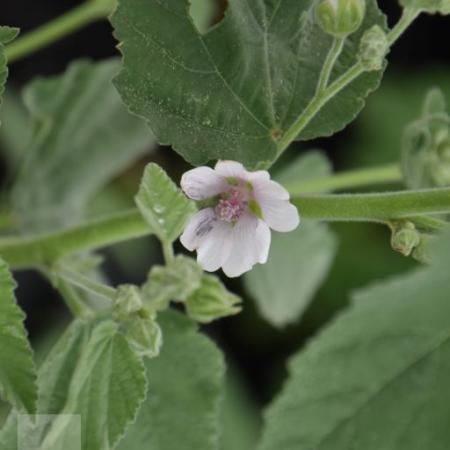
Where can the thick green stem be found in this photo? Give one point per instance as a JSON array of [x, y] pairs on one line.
[[45, 250], [88, 12], [374, 207], [347, 180]]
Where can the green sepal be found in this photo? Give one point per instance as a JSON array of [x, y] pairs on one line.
[[212, 301]]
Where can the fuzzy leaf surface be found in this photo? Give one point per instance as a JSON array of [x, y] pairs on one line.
[[378, 376], [232, 92], [182, 408]]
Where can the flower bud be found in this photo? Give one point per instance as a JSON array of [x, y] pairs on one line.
[[340, 18], [373, 48], [128, 301], [424, 251], [405, 238], [211, 301], [145, 336]]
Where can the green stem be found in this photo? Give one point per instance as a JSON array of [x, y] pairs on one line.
[[330, 61], [347, 180], [73, 300], [316, 104], [323, 96], [45, 250], [88, 12], [85, 283], [373, 207], [168, 252]]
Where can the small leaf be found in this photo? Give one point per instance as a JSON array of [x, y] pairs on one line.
[[83, 137], [7, 34], [233, 92], [212, 301], [17, 371], [378, 377], [175, 281], [298, 261], [93, 371], [162, 204], [182, 409]]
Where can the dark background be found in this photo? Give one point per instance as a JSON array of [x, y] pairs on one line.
[[257, 350]]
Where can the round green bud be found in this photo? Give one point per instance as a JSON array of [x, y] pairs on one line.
[[128, 301], [405, 238], [340, 18], [373, 48]]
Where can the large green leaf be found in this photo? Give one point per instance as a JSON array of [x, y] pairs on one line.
[[83, 137], [162, 204], [232, 92], [7, 34], [182, 409], [298, 261], [379, 376], [17, 371]]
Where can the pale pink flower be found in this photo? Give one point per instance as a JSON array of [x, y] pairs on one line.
[[234, 232]]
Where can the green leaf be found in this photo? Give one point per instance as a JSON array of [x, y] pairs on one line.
[[313, 164], [7, 34], [92, 371], [298, 261], [378, 376], [298, 264], [162, 204], [429, 6], [17, 371], [212, 301], [83, 137], [16, 129], [233, 92], [182, 409]]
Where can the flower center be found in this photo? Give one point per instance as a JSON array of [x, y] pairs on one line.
[[231, 207]]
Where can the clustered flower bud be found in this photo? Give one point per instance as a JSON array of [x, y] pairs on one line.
[[373, 48], [405, 238], [340, 18]]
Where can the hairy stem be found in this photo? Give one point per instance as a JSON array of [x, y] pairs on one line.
[[45, 250], [88, 12], [374, 207], [325, 93], [347, 180], [333, 55], [73, 300]]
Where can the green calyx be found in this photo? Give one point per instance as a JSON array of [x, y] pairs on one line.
[[340, 18], [405, 237], [373, 48]]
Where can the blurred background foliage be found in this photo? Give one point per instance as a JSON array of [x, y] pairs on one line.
[[256, 352]]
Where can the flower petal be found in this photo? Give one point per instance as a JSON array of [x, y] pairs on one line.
[[250, 245], [202, 183], [200, 225], [231, 169], [215, 249], [264, 187], [280, 215]]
